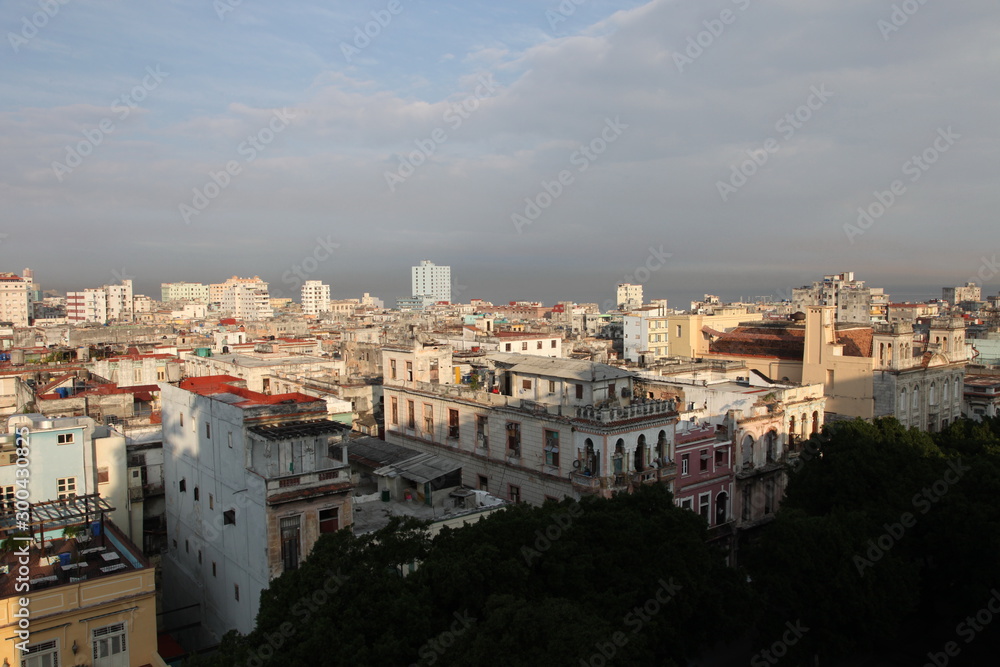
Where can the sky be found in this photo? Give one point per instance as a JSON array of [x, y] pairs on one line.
[[545, 150]]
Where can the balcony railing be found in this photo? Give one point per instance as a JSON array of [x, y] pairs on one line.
[[586, 483], [612, 414]]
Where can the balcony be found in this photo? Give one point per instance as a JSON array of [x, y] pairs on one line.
[[638, 409], [655, 475], [585, 484], [300, 486]]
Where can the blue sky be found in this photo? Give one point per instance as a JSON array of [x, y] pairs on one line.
[[489, 104]]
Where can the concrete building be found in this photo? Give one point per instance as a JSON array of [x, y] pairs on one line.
[[981, 397], [15, 303], [689, 335], [430, 280], [251, 482], [242, 298], [92, 597], [101, 305], [315, 297], [851, 299], [255, 367], [71, 456], [957, 295], [182, 291], [628, 296], [528, 428]]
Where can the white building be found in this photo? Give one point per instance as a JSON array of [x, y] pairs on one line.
[[852, 299], [431, 280], [15, 306], [182, 291], [244, 298], [315, 297], [251, 482], [629, 296], [101, 304]]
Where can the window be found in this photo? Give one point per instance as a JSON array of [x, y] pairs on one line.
[[829, 380], [452, 423], [229, 517], [329, 520], [394, 411], [678, 331], [65, 439], [539, 346], [160, 375], [484, 483], [514, 493], [230, 439], [103, 476], [208, 431], [7, 498], [704, 460], [482, 432], [236, 591], [687, 504], [409, 371], [182, 486], [428, 419], [45, 654], [290, 542], [685, 463], [513, 439], [524, 346], [552, 448], [392, 369], [214, 570], [211, 502], [187, 546], [66, 487], [182, 418], [553, 343], [526, 384], [411, 419], [508, 348], [579, 391], [704, 500], [552, 386], [197, 496], [199, 556], [721, 458]]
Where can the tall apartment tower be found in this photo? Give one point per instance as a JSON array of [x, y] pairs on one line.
[[431, 280], [315, 297], [629, 296]]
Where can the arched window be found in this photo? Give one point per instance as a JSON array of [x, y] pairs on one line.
[[770, 441], [815, 422], [619, 456], [958, 390], [932, 395], [640, 453], [721, 508], [747, 450], [945, 386], [791, 425], [902, 401], [915, 400]]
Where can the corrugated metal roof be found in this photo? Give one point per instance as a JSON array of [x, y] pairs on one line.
[[569, 369]]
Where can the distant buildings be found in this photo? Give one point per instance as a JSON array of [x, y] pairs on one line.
[[182, 291], [431, 280], [15, 303], [101, 305], [956, 295], [315, 297], [851, 299], [628, 296], [242, 298]]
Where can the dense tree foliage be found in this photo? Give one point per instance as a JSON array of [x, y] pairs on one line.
[[624, 581], [886, 548], [886, 544]]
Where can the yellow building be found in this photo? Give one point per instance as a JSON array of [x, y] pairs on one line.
[[689, 335], [84, 599]]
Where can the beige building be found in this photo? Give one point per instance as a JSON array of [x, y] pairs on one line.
[[689, 335], [15, 306]]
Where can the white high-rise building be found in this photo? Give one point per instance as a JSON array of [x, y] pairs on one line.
[[629, 296], [197, 292], [315, 297], [432, 280], [101, 304], [246, 298], [14, 302]]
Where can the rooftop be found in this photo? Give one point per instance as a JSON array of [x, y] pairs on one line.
[[228, 389], [568, 369]]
